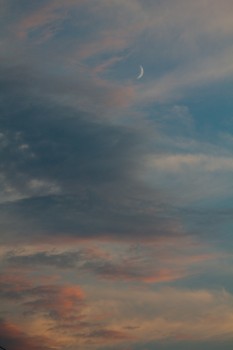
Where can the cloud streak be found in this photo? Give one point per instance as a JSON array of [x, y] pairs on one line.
[[164, 261]]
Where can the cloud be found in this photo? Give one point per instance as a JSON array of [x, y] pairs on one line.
[[13, 337], [13, 285], [173, 85], [45, 17], [109, 335], [168, 313], [104, 178], [197, 176], [165, 260], [118, 316], [63, 160], [53, 301], [43, 20], [110, 271], [62, 166], [180, 162], [60, 260]]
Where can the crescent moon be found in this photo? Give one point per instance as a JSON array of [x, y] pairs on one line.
[[141, 73]]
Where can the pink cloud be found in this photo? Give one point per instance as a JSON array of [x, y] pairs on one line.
[[45, 17], [165, 275], [55, 301], [106, 43]]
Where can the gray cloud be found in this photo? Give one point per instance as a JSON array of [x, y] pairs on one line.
[[67, 171], [105, 267], [59, 260], [84, 261]]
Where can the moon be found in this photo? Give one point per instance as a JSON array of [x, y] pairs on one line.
[[141, 73]]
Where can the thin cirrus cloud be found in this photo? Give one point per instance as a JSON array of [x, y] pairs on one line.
[[205, 162], [204, 68], [202, 173], [165, 261]]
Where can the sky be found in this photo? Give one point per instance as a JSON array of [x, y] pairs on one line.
[[116, 193]]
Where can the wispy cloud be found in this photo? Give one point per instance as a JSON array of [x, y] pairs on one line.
[[115, 193], [179, 162], [46, 18], [163, 261]]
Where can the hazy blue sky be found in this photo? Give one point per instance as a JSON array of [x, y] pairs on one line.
[[116, 193]]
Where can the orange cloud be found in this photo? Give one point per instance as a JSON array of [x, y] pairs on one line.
[[169, 314], [55, 301], [13, 338], [165, 275], [113, 316]]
